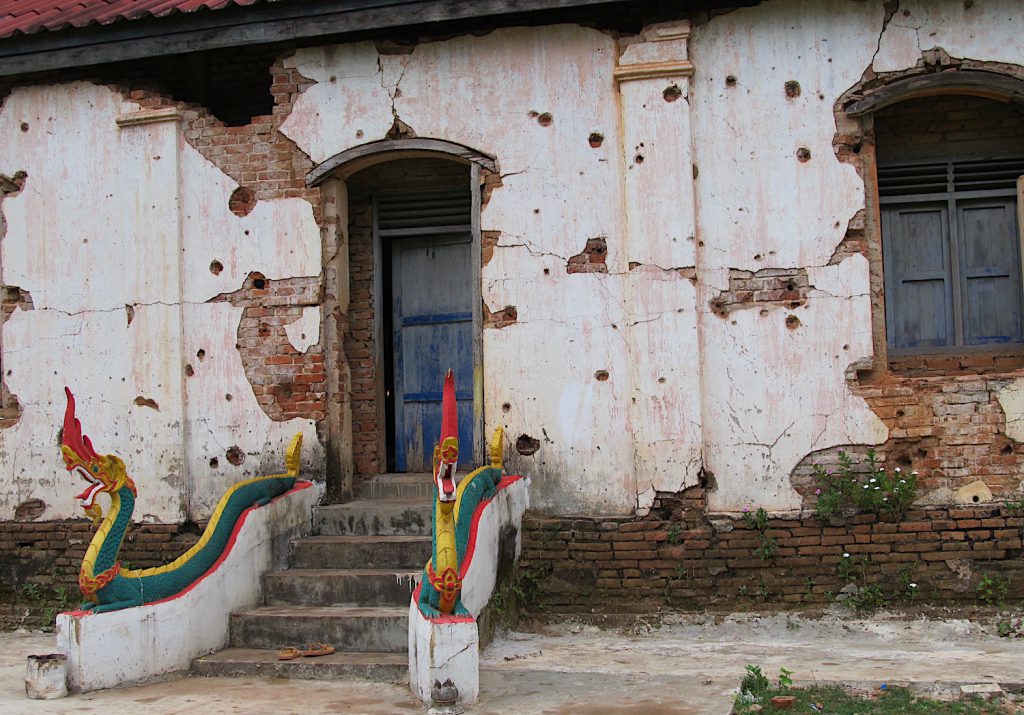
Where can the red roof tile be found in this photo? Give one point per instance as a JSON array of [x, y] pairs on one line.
[[28, 16]]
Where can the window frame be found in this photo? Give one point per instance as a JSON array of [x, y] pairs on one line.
[[953, 243]]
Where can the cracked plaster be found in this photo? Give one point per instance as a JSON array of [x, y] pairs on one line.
[[132, 216], [989, 30]]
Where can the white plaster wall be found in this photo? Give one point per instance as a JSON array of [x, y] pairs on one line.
[[216, 422], [771, 395], [116, 216], [557, 192], [988, 31]]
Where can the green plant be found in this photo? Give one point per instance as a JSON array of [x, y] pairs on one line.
[[1015, 506], [846, 568], [785, 681], [1005, 629], [867, 599], [767, 547], [754, 682], [992, 590], [867, 487], [808, 589], [682, 572], [674, 534], [905, 585]]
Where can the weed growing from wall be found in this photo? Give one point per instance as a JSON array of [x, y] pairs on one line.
[[869, 487]]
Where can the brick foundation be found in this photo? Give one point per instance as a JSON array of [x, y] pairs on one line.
[[49, 553], [678, 557]]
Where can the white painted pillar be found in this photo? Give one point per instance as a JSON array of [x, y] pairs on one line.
[[148, 159], [653, 75]]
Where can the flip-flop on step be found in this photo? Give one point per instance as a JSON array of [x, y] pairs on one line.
[[315, 649], [289, 653]]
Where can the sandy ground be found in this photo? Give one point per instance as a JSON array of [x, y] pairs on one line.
[[679, 665]]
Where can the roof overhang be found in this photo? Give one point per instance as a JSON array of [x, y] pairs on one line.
[[263, 23]]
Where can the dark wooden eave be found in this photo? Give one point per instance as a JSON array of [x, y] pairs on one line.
[[274, 22]]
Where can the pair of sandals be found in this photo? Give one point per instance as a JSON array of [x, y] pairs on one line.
[[312, 651]]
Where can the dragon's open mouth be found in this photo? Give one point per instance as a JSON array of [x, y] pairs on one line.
[[446, 483], [87, 497]]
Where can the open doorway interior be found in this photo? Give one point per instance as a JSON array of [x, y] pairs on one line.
[[412, 311]]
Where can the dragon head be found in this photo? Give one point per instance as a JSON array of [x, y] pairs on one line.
[[446, 453], [101, 473]]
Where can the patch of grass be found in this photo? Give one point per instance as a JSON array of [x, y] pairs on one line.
[[893, 701]]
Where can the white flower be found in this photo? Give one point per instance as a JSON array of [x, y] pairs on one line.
[[866, 486], [903, 481], [846, 555], [898, 469], [872, 480], [881, 469], [877, 488], [914, 473], [913, 585], [885, 498]]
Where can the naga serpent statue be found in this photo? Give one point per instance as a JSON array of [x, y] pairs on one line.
[[108, 587], [453, 511]]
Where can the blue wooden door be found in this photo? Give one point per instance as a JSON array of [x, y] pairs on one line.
[[433, 331]]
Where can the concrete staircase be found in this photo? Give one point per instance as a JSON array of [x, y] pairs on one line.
[[349, 586]]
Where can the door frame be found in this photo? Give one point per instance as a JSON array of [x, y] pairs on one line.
[[382, 301], [331, 176]]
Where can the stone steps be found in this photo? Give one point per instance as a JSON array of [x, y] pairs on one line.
[[333, 587], [349, 587], [375, 517], [381, 629], [254, 662], [357, 552]]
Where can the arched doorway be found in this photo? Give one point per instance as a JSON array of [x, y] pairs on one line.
[[406, 275]]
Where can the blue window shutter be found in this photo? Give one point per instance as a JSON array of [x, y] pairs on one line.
[[990, 271], [918, 282]]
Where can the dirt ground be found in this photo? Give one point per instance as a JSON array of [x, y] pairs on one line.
[[683, 664]]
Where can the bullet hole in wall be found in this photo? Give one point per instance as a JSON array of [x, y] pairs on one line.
[[24, 126], [264, 330], [189, 371], [201, 354], [601, 375], [228, 397], [242, 201], [506, 407], [639, 159], [527, 445], [595, 139], [803, 155], [730, 81], [130, 312], [672, 93], [792, 89], [147, 402], [258, 281], [216, 267], [235, 455], [545, 119], [214, 462], [792, 322]]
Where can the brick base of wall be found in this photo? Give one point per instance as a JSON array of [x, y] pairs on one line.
[[49, 553], [678, 557]]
